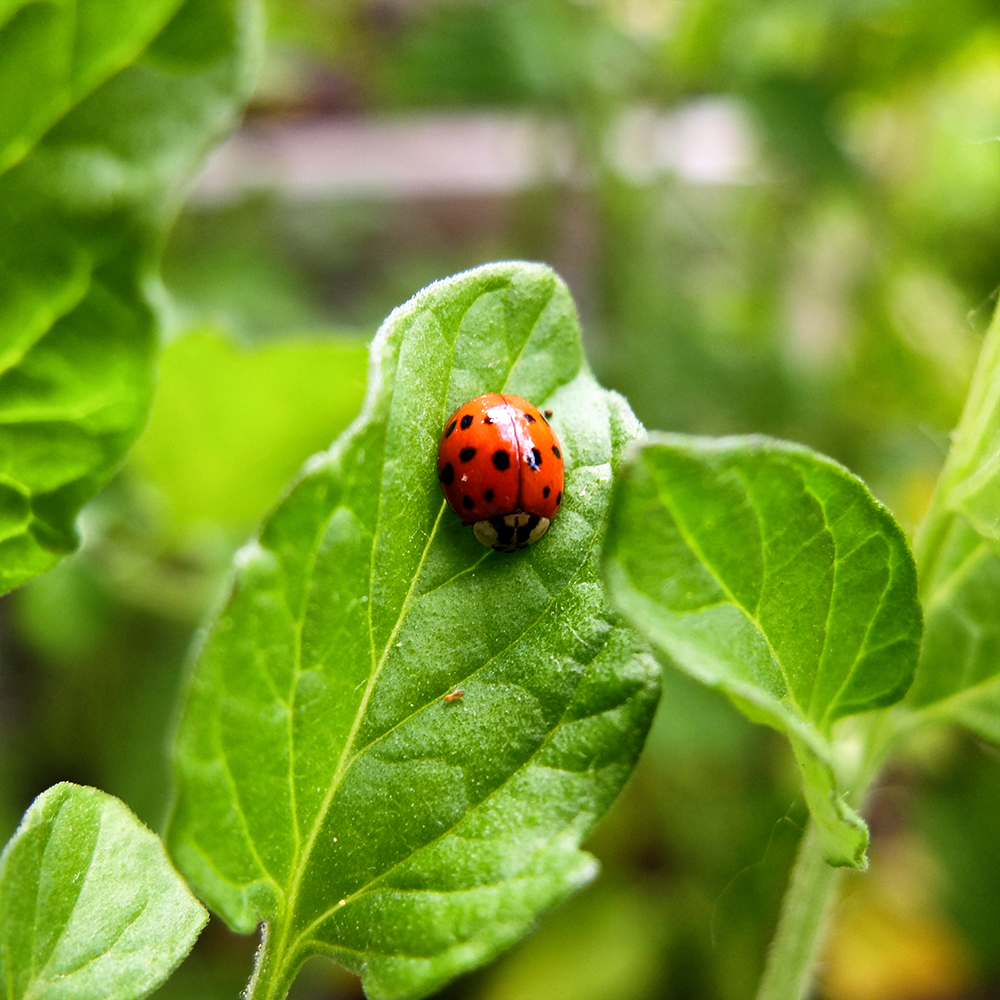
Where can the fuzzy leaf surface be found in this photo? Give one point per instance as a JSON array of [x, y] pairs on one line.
[[92, 907], [770, 572], [325, 786], [127, 100]]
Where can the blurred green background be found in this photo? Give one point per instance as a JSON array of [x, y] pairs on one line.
[[780, 217]]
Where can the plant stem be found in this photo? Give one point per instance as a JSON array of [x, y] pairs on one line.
[[272, 977], [794, 951]]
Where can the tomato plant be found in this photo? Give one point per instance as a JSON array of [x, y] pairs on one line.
[[393, 742]]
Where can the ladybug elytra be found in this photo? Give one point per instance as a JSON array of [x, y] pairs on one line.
[[501, 469]]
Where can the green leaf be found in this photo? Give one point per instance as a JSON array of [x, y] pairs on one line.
[[100, 167], [770, 572], [970, 481], [958, 677], [325, 786], [91, 905], [55, 54], [230, 426]]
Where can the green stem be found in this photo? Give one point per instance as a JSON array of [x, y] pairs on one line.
[[272, 973], [805, 911], [791, 962]]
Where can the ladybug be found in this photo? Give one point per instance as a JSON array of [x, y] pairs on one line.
[[501, 469]]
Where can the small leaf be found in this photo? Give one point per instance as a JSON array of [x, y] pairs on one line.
[[970, 481], [325, 785], [958, 677], [766, 570], [128, 98], [230, 426], [91, 905]]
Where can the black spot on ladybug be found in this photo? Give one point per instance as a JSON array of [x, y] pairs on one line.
[[488, 496], [467, 454], [534, 459], [559, 498], [501, 460], [556, 452], [451, 427], [526, 529], [447, 475], [466, 421], [467, 502], [487, 420], [530, 418], [546, 491], [505, 531]]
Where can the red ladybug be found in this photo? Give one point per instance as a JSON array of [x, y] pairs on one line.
[[501, 469]]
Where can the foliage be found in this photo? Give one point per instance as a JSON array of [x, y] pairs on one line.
[[960, 559], [104, 117], [229, 428], [772, 574], [326, 788], [834, 292], [762, 570], [91, 904]]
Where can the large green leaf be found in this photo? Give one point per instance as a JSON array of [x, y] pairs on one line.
[[770, 572], [91, 907], [54, 54], [325, 786], [958, 678], [82, 214]]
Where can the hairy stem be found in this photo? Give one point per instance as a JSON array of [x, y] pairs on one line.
[[791, 962], [272, 975]]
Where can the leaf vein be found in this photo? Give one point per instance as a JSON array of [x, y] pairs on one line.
[[238, 806], [703, 559]]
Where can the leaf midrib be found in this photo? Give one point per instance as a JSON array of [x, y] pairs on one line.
[[343, 762], [942, 593], [67, 802]]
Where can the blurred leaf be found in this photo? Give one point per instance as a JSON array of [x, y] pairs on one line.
[[959, 673], [230, 427], [91, 905], [608, 945], [81, 220], [970, 482], [958, 676], [768, 571], [55, 54], [325, 786]]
